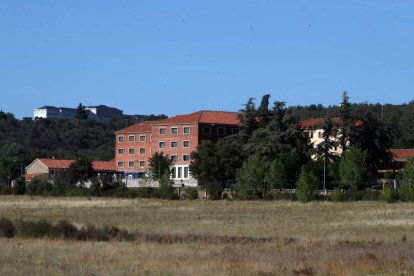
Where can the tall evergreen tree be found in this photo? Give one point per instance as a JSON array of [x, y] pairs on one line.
[[347, 121]]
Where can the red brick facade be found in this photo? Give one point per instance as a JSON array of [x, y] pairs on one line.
[[176, 137]]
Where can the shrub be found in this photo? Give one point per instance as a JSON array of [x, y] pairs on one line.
[[19, 187], [34, 229], [280, 195], [144, 192], [76, 191], [64, 229], [166, 191], [388, 194], [306, 187], [7, 229], [337, 195], [191, 193]]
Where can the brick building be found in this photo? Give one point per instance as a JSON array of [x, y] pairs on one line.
[[177, 137]]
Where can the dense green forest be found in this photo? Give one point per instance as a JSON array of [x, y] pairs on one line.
[[23, 140]]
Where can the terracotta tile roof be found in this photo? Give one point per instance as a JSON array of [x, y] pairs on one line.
[[204, 116], [64, 164], [56, 163], [402, 153], [320, 121], [220, 117], [104, 166], [137, 128]]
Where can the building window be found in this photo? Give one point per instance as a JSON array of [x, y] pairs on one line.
[[174, 144], [221, 131], [311, 133], [120, 151], [234, 131], [142, 164], [186, 144], [142, 151], [174, 157], [131, 151], [174, 130], [186, 157], [320, 134], [131, 164], [161, 145], [131, 138], [173, 172], [162, 130], [120, 164], [142, 138], [186, 172], [206, 130], [186, 130], [120, 139], [179, 172]]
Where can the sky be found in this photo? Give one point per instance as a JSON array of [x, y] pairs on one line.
[[176, 57]]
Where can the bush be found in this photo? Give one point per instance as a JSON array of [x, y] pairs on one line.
[[337, 195], [307, 184], [280, 195], [34, 229], [406, 191], [76, 191], [166, 191], [65, 230], [39, 187], [191, 193], [7, 229], [19, 187], [389, 195]]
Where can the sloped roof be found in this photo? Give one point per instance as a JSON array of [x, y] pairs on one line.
[[104, 166], [64, 164], [137, 128], [402, 154], [56, 163], [204, 116], [320, 122]]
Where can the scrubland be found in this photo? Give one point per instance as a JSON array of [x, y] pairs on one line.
[[215, 237]]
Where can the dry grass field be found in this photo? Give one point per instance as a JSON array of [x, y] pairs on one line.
[[216, 238]]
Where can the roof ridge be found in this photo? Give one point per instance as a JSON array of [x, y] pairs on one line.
[[199, 116]]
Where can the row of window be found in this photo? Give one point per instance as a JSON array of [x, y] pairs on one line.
[[173, 144], [131, 151], [219, 130], [174, 157], [174, 130], [131, 164], [131, 138], [180, 172], [311, 134]]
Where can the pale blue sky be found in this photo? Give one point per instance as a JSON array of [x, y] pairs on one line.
[[176, 57]]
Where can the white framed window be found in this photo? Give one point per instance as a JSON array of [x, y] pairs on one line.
[[120, 164], [174, 144], [131, 138], [161, 130], [186, 130], [161, 144], [186, 172], [131, 164], [142, 138], [173, 172], [206, 130], [311, 133], [142, 164], [174, 157], [319, 134], [221, 131], [179, 172], [174, 130], [120, 151], [186, 157], [186, 144], [131, 151], [120, 138], [142, 151], [234, 131]]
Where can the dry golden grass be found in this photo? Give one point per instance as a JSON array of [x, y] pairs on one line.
[[316, 238]]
